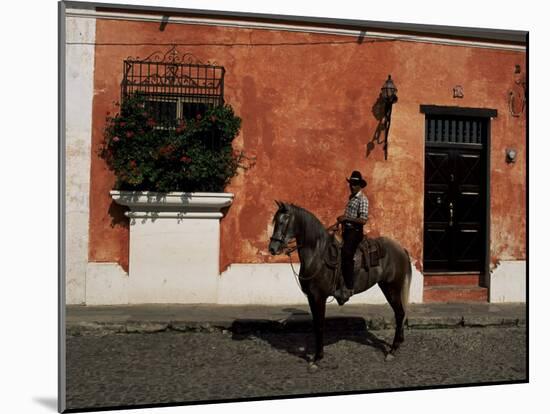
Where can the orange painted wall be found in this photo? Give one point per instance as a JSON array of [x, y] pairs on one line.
[[307, 101]]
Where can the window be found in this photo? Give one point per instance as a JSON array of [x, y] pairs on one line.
[[175, 86]]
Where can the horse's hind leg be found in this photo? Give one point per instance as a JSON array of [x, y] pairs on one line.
[[394, 297]]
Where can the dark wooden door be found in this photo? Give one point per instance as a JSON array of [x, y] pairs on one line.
[[455, 194]]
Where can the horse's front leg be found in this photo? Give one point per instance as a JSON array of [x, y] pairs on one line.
[[317, 304]]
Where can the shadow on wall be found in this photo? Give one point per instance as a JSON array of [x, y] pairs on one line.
[[116, 212], [379, 112]]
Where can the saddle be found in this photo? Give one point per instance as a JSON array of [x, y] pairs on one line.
[[371, 252], [368, 254]]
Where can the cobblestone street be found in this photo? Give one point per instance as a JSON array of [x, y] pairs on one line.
[[172, 367]]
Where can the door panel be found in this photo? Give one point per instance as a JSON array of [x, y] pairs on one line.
[[455, 195]]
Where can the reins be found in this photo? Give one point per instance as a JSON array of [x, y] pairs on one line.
[[289, 252], [297, 277]]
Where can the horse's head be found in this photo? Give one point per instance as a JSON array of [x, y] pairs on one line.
[[283, 231]]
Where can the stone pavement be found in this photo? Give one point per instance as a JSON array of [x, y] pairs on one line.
[[181, 367], [81, 320]]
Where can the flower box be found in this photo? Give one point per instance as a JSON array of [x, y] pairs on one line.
[[147, 204]]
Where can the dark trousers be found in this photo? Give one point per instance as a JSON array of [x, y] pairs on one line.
[[352, 237]]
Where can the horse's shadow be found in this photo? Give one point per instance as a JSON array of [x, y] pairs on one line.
[[350, 328]]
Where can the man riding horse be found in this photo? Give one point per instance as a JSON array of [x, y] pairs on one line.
[[318, 276], [354, 218]]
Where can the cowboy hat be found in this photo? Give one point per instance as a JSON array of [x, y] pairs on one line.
[[357, 179]]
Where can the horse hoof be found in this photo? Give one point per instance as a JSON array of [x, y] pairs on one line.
[[390, 357]]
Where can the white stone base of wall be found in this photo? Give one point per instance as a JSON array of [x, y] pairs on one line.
[[265, 284], [272, 284], [240, 284], [174, 261], [508, 282], [416, 292], [275, 284], [174, 258], [106, 284]]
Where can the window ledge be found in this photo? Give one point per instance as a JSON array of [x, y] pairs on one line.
[[180, 205]]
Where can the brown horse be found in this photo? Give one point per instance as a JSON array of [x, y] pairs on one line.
[[319, 274]]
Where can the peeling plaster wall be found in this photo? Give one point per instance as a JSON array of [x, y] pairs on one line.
[[508, 191], [79, 50], [308, 107]]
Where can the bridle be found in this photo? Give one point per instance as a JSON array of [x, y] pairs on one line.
[[283, 241], [289, 251]]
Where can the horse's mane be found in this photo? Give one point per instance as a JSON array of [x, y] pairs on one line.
[[312, 229]]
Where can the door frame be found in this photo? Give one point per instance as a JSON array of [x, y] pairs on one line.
[[488, 114]]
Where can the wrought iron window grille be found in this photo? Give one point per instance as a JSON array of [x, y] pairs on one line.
[[175, 86]]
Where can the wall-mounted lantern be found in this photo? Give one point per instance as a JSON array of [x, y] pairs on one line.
[[389, 96], [389, 91]]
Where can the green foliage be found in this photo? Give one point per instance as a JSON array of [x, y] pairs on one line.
[[195, 155]]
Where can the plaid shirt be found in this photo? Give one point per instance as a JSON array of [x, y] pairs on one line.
[[358, 206]]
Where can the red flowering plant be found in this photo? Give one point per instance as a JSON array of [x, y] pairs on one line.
[[194, 155]]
